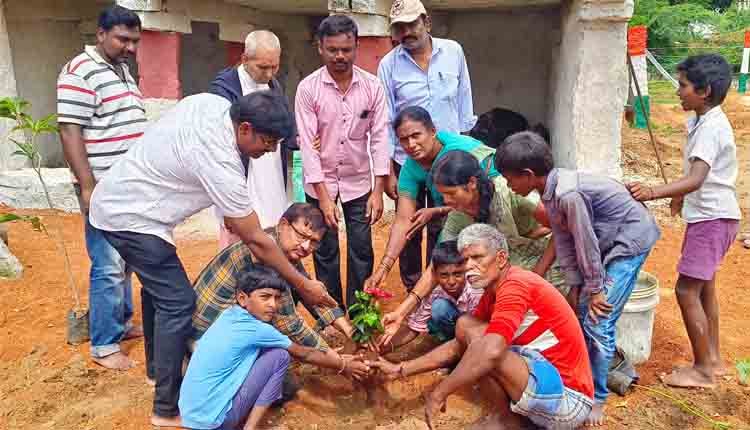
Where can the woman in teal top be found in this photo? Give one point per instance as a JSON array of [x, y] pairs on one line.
[[424, 145]]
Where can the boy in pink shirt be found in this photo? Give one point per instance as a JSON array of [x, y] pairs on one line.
[[453, 297]]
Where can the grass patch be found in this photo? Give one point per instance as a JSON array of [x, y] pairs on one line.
[[665, 129], [662, 92]]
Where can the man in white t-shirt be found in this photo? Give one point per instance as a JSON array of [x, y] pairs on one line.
[[267, 174], [187, 161]]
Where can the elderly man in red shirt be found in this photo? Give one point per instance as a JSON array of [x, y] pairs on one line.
[[345, 107], [523, 339]]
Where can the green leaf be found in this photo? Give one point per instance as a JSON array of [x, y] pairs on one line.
[[9, 218], [357, 307], [359, 318], [743, 371], [371, 319], [360, 327]]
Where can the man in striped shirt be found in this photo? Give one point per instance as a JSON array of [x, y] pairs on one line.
[[101, 115]]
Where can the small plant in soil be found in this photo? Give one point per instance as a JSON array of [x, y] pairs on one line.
[[366, 316], [24, 136]]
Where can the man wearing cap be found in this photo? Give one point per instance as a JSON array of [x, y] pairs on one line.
[[431, 73], [187, 161]]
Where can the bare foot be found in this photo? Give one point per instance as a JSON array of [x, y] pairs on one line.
[[596, 417], [158, 421], [135, 332], [116, 361], [689, 377], [719, 369]]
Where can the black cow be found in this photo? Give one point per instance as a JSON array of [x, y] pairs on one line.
[[494, 126]]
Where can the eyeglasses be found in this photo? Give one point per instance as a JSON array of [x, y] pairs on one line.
[[314, 243]]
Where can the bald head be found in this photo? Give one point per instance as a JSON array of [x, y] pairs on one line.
[[262, 39], [262, 56]]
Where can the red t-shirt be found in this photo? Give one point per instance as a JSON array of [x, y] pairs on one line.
[[528, 311]]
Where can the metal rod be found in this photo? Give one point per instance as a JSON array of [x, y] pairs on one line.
[[648, 120]]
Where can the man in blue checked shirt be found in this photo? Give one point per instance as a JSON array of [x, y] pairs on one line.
[[431, 73]]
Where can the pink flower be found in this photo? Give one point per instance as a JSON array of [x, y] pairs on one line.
[[378, 293]]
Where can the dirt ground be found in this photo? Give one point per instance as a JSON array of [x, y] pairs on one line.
[[47, 384]]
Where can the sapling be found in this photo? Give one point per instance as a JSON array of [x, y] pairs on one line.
[[29, 130], [366, 316]]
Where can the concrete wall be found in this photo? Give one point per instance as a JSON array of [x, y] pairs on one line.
[[590, 85], [202, 55], [43, 37], [509, 56], [7, 89], [207, 25]]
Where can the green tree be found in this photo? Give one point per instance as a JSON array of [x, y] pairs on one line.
[[24, 136]]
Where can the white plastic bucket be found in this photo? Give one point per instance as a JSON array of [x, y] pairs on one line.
[[636, 324]]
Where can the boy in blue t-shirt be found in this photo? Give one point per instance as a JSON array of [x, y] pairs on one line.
[[240, 362]]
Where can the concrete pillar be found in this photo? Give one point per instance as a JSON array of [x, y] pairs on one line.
[[590, 86], [159, 71], [371, 50], [7, 89], [159, 65]]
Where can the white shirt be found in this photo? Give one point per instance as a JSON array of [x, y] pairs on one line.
[[266, 178], [185, 162], [711, 139]]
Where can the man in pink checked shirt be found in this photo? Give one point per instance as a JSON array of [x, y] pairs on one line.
[[345, 107]]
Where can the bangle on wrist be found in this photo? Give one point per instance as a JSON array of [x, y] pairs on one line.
[[343, 366], [386, 264]]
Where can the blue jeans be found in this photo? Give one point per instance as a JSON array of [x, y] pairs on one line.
[[622, 274], [110, 294], [442, 322]]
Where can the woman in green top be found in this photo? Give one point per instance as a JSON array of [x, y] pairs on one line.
[[424, 145], [477, 198]]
